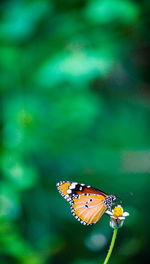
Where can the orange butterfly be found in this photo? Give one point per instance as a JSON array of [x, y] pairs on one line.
[[87, 203]]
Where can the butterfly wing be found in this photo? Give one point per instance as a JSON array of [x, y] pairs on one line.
[[63, 188], [87, 203], [88, 209], [71, 189]]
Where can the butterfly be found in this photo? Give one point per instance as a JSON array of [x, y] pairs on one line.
[[87, 203]]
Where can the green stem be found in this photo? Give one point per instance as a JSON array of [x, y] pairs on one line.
[[111, 245]]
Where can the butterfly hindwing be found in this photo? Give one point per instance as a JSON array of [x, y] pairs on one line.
[[88, 209]]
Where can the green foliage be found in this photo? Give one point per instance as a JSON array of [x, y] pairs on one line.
[[75, 106], [108, 11]]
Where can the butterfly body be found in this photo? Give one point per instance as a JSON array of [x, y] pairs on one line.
[[87, 203]]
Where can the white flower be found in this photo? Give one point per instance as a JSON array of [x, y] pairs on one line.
[[117, 216]]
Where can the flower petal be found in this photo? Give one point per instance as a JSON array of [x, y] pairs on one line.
[[125, 214], [108, 212]]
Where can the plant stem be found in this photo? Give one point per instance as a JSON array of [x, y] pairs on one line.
[[111, 245]]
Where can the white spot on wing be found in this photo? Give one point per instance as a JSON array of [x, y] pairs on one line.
[[69, 191], [73, 185]]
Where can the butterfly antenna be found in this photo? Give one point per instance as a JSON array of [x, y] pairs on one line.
[[118, 198], [127, 193]]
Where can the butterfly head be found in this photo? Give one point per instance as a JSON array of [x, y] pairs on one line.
[[109, 201]]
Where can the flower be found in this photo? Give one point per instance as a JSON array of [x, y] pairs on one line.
[[117, 216]]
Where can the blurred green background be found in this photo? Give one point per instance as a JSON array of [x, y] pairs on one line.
[[75, 104]]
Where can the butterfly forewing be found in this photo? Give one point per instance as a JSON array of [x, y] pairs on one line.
[[73, 188]]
